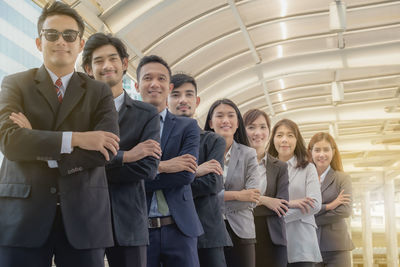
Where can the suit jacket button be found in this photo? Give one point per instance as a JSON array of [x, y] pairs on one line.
[[53, 190]]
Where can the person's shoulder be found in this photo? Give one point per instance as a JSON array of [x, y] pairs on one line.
[[341, 175], [22, 74], [90, 81], [211, 137], [278, 162], [143, 106]]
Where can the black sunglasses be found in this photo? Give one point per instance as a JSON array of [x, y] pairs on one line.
[[52, 35]]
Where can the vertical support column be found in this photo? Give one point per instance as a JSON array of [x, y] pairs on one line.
[[366, 230], [390, 223]]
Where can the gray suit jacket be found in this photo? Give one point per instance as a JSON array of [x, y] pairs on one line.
[[277, 187], [332, 227], [242, 174], [29, 189]]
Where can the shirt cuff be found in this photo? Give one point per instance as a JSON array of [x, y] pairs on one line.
[[66, 143], [52, 164]]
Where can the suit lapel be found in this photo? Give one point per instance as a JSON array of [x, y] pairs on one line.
[[234, 158], [73, 94], [125, 106], [328, 180], [169, 124], [46, 88], [272, 171]]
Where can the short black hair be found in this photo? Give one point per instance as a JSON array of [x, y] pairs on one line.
[[151, 59], [59, 8], [98, 40], [240, 135], [181, 78]]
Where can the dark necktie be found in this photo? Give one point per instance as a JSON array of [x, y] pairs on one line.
[[58, 85]]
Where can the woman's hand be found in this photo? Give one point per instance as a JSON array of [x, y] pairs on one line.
[[279, 206], [251, 195], [341, 199], [303, 204]]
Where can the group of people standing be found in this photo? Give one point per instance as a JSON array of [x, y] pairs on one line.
[[89, 172]]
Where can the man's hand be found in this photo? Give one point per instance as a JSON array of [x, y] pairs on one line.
[[20, 120], [185, 162], [279, 206], [303, 204], [341, 199], [148, 148], [251, 195], [97, 141], [211, 166]]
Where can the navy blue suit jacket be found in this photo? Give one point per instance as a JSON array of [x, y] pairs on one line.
[[180, 136], [138, 122]]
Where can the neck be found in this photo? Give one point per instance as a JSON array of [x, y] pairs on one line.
[[260, 153], [285, 158], [117, 90], [161, 108], [229, 143], [321, 171], [61, 71]]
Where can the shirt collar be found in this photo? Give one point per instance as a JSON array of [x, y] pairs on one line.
[[292, 162], [163, 114], [228, 155], [64, 79], [323, 175], [264, 160], [119, 100]]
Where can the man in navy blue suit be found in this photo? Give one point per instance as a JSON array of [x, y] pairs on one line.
[[173, 222], [183, 100], [105, 58]]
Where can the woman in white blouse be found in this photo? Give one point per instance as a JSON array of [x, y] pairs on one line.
[[241, 182], [287, 144]]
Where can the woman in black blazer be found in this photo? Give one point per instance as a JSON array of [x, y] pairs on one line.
[[268, 215], [334, 240]]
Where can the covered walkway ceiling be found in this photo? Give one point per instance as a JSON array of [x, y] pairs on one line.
[[279, 56]]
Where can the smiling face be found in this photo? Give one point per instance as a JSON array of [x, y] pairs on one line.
[[322, 154], [224, 121], [183, 100], [60, 56], [258, 133], [107, 66], [154, 85], [285, 142]]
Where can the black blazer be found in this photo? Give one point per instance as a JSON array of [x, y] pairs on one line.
[[29, 189], [138, 122], [205, 190], [277, 187]]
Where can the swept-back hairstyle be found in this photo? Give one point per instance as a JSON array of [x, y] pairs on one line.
[[300, 151], [59, 8], [181, 78], [98, 40], [251, 115], [240, 134], [151, 59], [336, 162]]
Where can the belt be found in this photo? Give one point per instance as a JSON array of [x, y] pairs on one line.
[[158, 222]]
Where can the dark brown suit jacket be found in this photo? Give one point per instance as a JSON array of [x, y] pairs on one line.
[[277, 187], [29, 189]]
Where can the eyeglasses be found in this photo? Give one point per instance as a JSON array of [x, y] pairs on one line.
[[52, 35]]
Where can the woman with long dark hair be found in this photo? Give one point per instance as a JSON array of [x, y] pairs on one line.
[[287, 144], [273, 205], [334, 240], [241, 181]]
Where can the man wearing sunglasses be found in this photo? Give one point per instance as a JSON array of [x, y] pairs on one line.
[[58, 129]]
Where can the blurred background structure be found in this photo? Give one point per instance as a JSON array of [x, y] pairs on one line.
[[330, 66]]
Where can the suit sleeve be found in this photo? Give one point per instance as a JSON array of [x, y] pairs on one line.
[[252, 181], [143, 169], [282, 189], [313, 191], [105, 118], [341, 211], [20, 144], [211, 183], [190, 145]]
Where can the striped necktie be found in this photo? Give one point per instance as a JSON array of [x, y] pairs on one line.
[[58, 85]]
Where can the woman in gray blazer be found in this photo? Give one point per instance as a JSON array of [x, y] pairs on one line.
[[241, 182], [273, 205], [304, 194], [334, 240]]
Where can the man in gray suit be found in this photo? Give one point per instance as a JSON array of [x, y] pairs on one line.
[[183, 100], [105, 58], [58, 128]]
